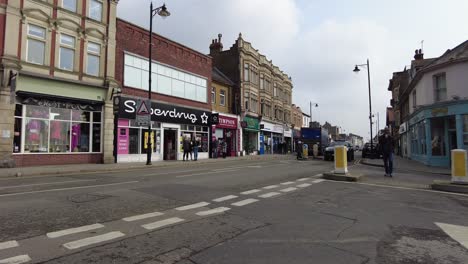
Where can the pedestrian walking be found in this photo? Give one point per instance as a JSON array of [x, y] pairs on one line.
[[186, 148], [224, 148], [214, 148], [386, 144], [196, 145]]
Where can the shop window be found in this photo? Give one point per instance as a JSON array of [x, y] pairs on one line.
[[36, 135], [93, 59], [437, 134], [67, 52], [134, 141], [95, 9], [96, 133], [59, 136], [59, 114], [222, 98], [84, 116], [36, 44], [69, 5], [80, 137], [17, 135]]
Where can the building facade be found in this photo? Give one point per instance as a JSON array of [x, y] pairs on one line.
[[262, 96], [181, 98], [227, 129], [57, 81], [435, 107], [305, 120]]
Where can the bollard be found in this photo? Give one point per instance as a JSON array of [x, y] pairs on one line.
[[459, 166], [341, 161]]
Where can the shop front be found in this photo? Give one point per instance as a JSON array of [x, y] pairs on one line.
[[226, 131], [296, 137], [271, 138], [436, 130], [250, 129], [287, 139], [170, 125]]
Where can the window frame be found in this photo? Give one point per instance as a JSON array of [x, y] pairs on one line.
[[89, 10], [213, 95], [222, 97], [36, 39], [68, 47], [246, 69], [76, 6], [90, 53], [437, 89]]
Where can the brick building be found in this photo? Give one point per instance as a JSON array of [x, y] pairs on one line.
[[181, 105], [262, 96], [56, 81]]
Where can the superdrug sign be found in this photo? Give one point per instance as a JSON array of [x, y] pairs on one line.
[[165, 113]]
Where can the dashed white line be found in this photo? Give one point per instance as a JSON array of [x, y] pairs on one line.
[[303, 179], [165, 222], [270, 187], [142, 216], [93, 240], [192, 206], [290, 189], [318, 175], [74, 230], [224, 198], [245, 202], [8, 244], [40, 184], [251, 191], [287, 183], [16, 260], [318, 181], [213, 211], [304, 185], [268, 195]]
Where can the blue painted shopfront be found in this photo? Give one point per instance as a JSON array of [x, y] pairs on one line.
[[437, 129]]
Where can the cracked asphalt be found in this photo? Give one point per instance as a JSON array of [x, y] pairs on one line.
[[316, 222]]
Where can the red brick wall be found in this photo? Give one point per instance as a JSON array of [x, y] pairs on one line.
[[133, 39], [56, 159]]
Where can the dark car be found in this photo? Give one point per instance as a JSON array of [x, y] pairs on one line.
[[330, 150], [375, 153]]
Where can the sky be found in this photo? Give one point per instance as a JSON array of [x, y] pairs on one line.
[[318, 43]]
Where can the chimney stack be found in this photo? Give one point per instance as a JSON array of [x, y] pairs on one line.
[[216, 45], [418, 55]]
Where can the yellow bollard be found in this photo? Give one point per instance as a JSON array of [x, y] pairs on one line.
[[341, 161], [459, 166]]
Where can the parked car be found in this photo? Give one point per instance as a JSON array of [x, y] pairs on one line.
[[374, 154], [330, 150]]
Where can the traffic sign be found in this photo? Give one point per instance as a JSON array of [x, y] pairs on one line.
[[143, 114]]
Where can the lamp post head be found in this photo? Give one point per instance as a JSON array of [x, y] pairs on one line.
[[356, 69], [164, 12]]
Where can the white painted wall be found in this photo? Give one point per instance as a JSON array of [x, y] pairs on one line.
[[305, 121], [457, 84]]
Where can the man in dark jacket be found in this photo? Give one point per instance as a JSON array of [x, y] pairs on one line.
[[386, 144], [187, 148]]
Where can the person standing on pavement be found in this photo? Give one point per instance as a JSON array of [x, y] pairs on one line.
[[224, 148], [186, 147], [196, 145], [214, 147], [387, 147]]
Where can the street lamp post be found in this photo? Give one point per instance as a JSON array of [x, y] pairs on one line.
[[315, 105], [161, 11], [356, 69]]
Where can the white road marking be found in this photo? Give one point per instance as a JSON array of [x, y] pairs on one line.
[[456, 232], [74, 230], [318, 181], [192, 206], [93, 240], [16, 260], [224, 198], [268, 195], [245, 202], [270, 187], [165, 222], [304, 185], [318, 175], [142, 216], [40, 184], [225, 170], [290, 189], [213, 211], [8, 244], [70, 188], [251, 191], [287, 183], [303, 179]]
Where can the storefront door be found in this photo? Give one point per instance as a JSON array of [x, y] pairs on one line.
[[170, 143]]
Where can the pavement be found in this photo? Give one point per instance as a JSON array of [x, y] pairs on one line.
[[234, 211], [87, 168], [407, 165]]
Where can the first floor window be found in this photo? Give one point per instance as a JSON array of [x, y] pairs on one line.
[[69, 5], [67, 52], [222, 98], [213, 95], [95, 10], [36, 44], [93, 59]]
